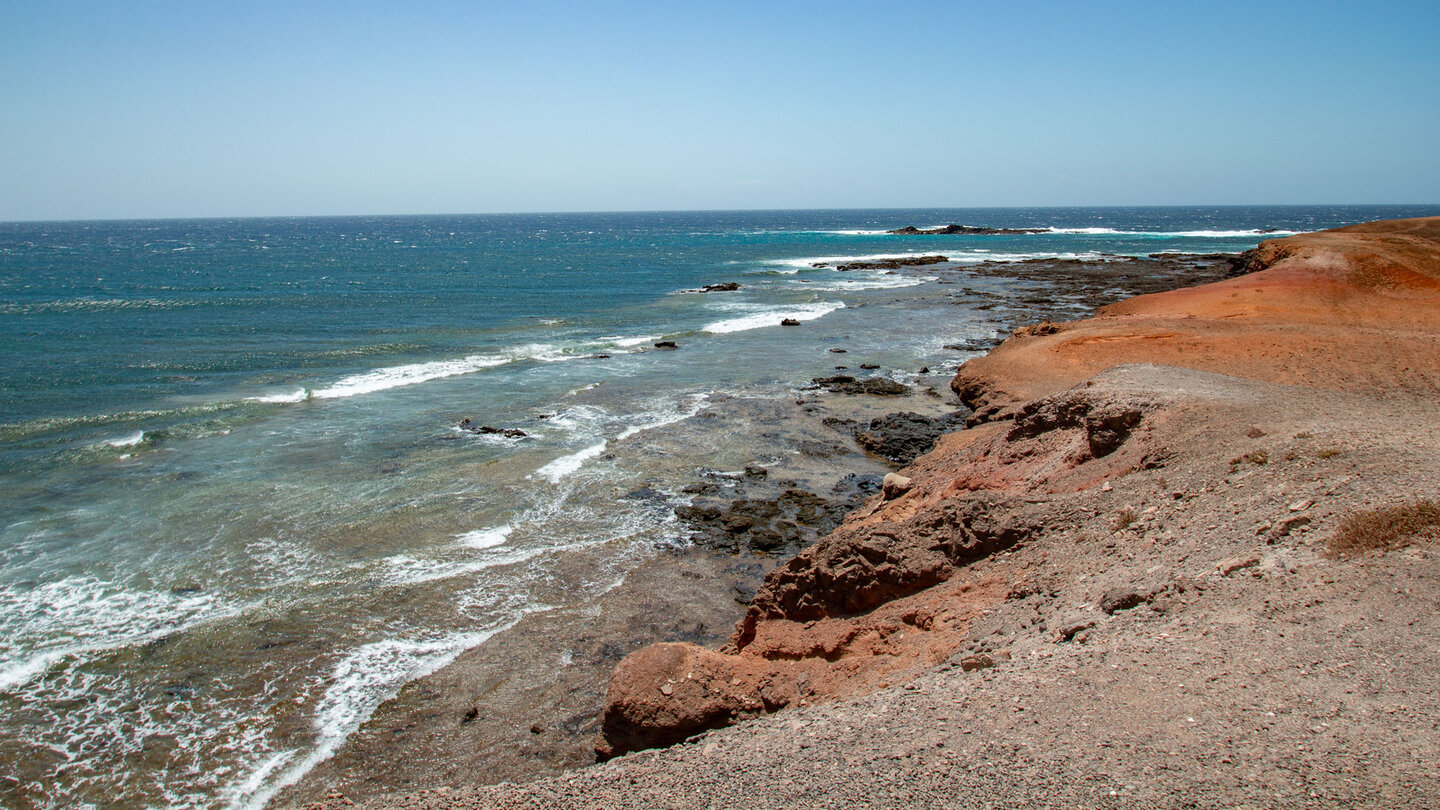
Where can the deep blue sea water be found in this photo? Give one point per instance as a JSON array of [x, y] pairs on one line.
[[236, 513]]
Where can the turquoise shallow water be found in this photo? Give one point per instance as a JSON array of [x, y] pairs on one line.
[[236, 513]]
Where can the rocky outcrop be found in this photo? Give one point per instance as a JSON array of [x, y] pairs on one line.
[[965, 230], [769, 525], [487, 430], [901, 437], [887, 264], [1062, 411], [873, 386], [888, 593]]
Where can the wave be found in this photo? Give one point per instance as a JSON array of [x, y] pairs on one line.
[[283, 399], [16, 430], [565, 465], [765, 316], [383, 379], [95, 305], [628, 341], [1237, 233], [127, 441], [984, 257], [403, 569], [809, 262], [880, 283], [697, 403]]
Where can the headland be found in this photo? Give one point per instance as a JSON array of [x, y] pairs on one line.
[[1182, 554]]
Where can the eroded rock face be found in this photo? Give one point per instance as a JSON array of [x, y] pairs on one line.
[[883, 596], [849, 573]]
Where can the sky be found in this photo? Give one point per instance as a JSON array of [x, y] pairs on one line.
[[121, 110]]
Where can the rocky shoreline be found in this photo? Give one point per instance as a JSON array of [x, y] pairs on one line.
[[1113, 588]]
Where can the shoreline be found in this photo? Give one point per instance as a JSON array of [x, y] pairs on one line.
[[413, 739], [1159, 529]]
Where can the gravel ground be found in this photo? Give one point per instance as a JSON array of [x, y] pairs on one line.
[[1254, 671]]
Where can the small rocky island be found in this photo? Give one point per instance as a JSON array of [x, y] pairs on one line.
[[965, 230]]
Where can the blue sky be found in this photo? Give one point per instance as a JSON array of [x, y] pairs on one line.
[[195, 109]]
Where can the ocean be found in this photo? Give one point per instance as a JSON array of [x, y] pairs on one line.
[[238, 507]]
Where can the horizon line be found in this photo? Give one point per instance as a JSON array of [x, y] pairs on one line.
[[222, 217]]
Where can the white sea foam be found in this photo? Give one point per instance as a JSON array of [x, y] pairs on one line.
[[128, 441], [361, 681], [565, 465], [810, 261], [984, 256], [626, 342], [877, 283], [403, 569], [299, 395], [577, 416], [396, 376], [486, 538], [382, 379], [697, 403], [44, 625], [1200, 234], [764, 316]]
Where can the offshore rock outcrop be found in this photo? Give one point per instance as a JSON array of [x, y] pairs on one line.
[[965, 230]]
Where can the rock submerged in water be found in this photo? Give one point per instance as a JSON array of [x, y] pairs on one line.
[[729, 286], [485, 430], [666, 344], [789, 322]]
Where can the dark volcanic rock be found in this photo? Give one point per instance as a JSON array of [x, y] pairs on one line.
[[789, 322], [728, 286], [666, 344], [509, 433], [888, 264], [771, 525], [902, 437], [964, 230], [874, 386]]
